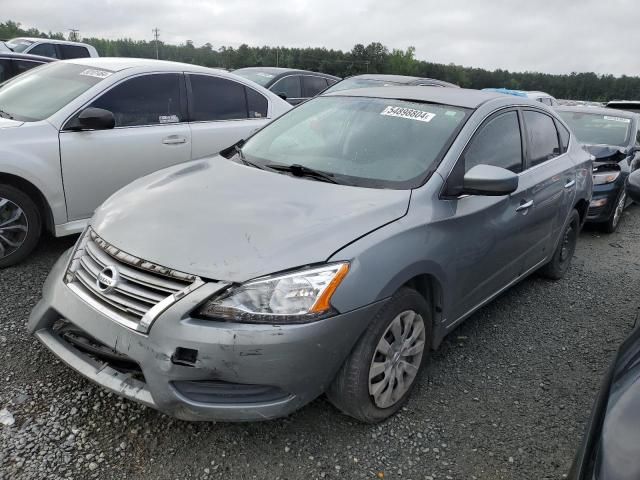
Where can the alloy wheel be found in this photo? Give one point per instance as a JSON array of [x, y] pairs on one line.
[[13, 227], [617, 213], [397, 359]]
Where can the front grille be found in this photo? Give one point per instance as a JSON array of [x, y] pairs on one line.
[[140, 287]]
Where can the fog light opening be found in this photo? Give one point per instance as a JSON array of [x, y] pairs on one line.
[[185, 356]]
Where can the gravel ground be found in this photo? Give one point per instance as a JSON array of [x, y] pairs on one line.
[[506, 396]]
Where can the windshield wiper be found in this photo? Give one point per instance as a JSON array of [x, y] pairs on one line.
[[298, 170], [5, 114], [244, 160]]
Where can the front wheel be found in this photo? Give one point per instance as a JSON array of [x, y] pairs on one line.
[[611, 225], [559, 264], [379, 374], [20, 225]]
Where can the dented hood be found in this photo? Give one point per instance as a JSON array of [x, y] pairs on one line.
[[226, 221], [606, 153]]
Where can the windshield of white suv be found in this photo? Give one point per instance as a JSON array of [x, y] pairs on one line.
[[39, 93], [19, 44], [598, 129], [370, 142]]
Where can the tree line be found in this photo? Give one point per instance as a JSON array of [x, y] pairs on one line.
[[372, 58]]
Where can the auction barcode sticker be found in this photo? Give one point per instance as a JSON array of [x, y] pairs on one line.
[[617, 119], [402, 112], [92, 72]]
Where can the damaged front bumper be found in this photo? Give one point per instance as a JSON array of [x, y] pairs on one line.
[[196, 369]]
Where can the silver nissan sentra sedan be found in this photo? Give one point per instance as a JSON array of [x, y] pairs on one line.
[[329, 253]]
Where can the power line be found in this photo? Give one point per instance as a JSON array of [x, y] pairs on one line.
[[156, 35]]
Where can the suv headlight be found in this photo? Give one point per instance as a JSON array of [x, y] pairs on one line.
[[607, 176], [297, 297]]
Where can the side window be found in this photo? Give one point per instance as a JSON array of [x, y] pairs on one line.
[[45, 49], [145, 100], [638, 134], [290, 86], [498, 143], [5, 69], [546, 101], [313, 86], [20, 66], [217, 98], [73, 51], [543, 137], [331, 81], [257, 104], [564, 136]]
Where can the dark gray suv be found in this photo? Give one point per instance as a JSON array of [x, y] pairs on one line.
[[330, 252]]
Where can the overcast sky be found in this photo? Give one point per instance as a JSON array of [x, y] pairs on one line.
[[555, 36]]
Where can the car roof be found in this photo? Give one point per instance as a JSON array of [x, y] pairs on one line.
[[400, 79], [458, 97], [597, 111], [26, 56], [631, 102], [116, 64], [277, 71], [48, 40]]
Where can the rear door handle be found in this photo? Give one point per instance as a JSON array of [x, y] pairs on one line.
[[525, 206], [174, 140], [570, 184]]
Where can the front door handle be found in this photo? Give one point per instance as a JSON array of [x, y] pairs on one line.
[[525, 206], [174, 140], [570, 184]]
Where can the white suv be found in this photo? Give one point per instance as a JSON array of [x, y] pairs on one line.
[[47, 47], [73, 132]]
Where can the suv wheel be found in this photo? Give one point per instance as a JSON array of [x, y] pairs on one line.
[[561, 259], [20, 225], [379, 374], [611, 225]]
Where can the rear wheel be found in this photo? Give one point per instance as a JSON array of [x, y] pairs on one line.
[[611, 225], [20, 225], [561, 259], [378, 376]]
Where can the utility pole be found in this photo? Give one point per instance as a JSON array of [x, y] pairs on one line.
[[74, 35], [156, 35], [277, 57]]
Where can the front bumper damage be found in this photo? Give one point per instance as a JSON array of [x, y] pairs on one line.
[[196, 369]]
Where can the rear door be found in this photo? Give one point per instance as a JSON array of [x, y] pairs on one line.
[[45, 50], [151, 133], [550, 178], [222, 112]]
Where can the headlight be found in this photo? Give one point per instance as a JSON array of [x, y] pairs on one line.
[[298, 297], [608, 176]]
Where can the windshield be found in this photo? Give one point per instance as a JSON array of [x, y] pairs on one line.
[[598, 129], [370, 142], [19, 44], [40, 92], [355, 82], [260, 77]]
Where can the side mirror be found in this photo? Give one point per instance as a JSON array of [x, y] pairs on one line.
[[282, 95], [490, 181], [96, 119], [633, 186]]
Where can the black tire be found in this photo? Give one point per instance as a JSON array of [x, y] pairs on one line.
[[561, 259], [23, 244], [349, 391], [612, 224]]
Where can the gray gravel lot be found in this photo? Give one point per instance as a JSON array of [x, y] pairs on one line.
[[506, 397]]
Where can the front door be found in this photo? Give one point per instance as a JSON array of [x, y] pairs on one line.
[[489, 234], [150, 134]]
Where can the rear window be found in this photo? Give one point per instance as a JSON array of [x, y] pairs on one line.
[[599, 129]]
